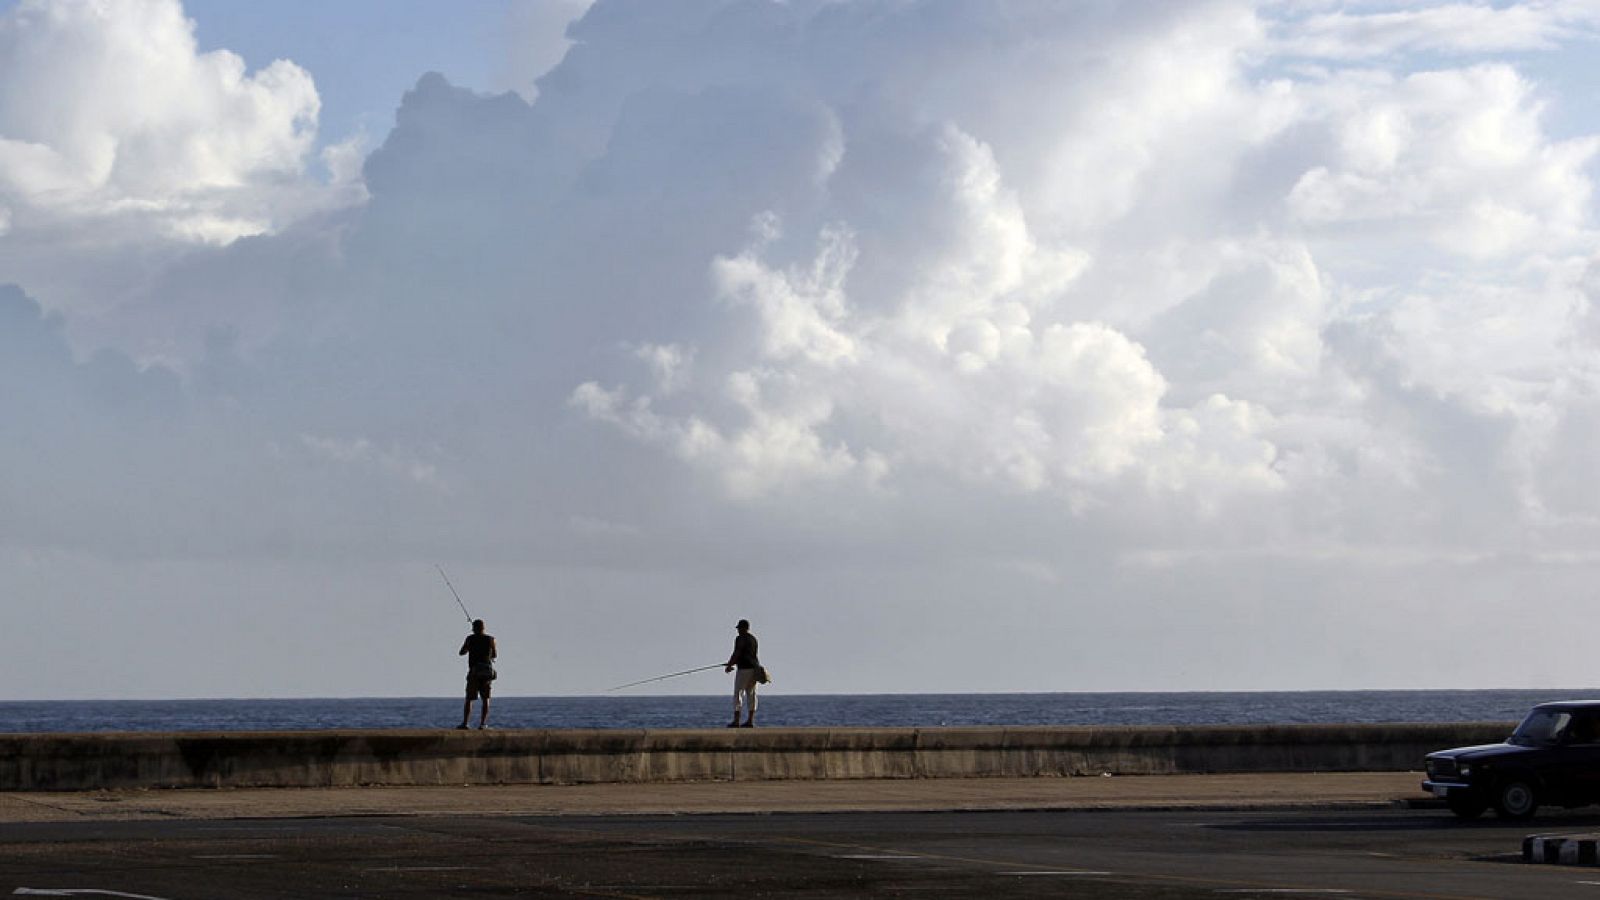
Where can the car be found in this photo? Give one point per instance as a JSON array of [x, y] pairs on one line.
[[1551, 759]]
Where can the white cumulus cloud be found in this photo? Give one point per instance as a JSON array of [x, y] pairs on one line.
[[109, 108]]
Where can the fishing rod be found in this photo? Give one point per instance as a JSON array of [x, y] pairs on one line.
[[665, 677], [453, 592]]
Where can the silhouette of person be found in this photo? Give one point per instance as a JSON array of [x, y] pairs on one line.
[[744, 684], [480, 651]]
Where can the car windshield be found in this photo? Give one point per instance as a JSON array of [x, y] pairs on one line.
[[1542, 726]]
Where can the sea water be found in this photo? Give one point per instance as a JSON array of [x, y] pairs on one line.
[[779, 710]]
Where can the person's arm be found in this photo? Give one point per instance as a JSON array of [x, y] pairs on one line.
[[463, 650], [732, 656], [494, 650]]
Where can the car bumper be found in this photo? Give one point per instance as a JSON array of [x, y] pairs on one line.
[[1443, 789]]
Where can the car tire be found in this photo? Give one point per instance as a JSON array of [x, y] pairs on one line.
[[1515, 798], [1466, 807]]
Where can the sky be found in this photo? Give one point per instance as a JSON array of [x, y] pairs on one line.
[[982, 346]]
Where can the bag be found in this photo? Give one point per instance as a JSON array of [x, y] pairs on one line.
[[761, 675], [483, 672]]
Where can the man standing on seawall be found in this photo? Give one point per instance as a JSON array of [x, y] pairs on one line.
[[480, 651], [744, 684]]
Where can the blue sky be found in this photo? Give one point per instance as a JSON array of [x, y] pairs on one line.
[[1201, 345], [364, 55]]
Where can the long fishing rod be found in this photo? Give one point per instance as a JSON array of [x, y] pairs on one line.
[[453, 592], [665, 677]]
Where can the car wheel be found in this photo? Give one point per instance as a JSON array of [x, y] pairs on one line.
[[1466, 806], [1515, 799]]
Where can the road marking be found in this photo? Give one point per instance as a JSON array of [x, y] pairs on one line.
[[235, 856], [1068, 873], [876, 856], [1282, 891], [77, 892], [945, 857], [423, 868]]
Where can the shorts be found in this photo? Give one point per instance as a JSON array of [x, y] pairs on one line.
[[478, 686]]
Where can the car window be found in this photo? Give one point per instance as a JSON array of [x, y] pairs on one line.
[[1542, 726], [1583, 730]]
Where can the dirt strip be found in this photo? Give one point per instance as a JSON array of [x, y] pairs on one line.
[[1122, 792]]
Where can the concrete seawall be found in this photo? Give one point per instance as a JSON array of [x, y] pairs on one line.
[[343, 758]]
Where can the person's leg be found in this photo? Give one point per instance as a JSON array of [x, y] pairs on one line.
[[466, 710], [743, 694], [750, 701], [483, 714]]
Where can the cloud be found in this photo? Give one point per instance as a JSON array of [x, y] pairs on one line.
[[863, 276], [952, 370], [121, 140], [362, 452], [110, 110], [1095, 314], [1451, 28], [534, 37], [800, 310], [671, 364], [1458, 156]]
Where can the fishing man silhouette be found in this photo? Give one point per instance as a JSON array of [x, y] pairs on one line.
[[744, 684], [480, 651]]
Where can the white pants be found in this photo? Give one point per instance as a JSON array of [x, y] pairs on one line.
[[744, 691]]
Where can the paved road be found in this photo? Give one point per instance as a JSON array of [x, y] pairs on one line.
[[1358, 853]]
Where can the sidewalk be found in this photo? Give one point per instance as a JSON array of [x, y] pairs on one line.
[[1273, 790]]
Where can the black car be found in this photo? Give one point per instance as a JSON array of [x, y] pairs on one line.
[[1553, 758]]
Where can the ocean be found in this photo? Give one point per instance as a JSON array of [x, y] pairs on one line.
[[779, 710]]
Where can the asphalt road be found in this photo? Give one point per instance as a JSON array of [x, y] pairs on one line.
[[1366, 853]]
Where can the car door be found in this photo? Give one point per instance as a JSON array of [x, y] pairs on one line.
[[1581, 762], [1571, 769]]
